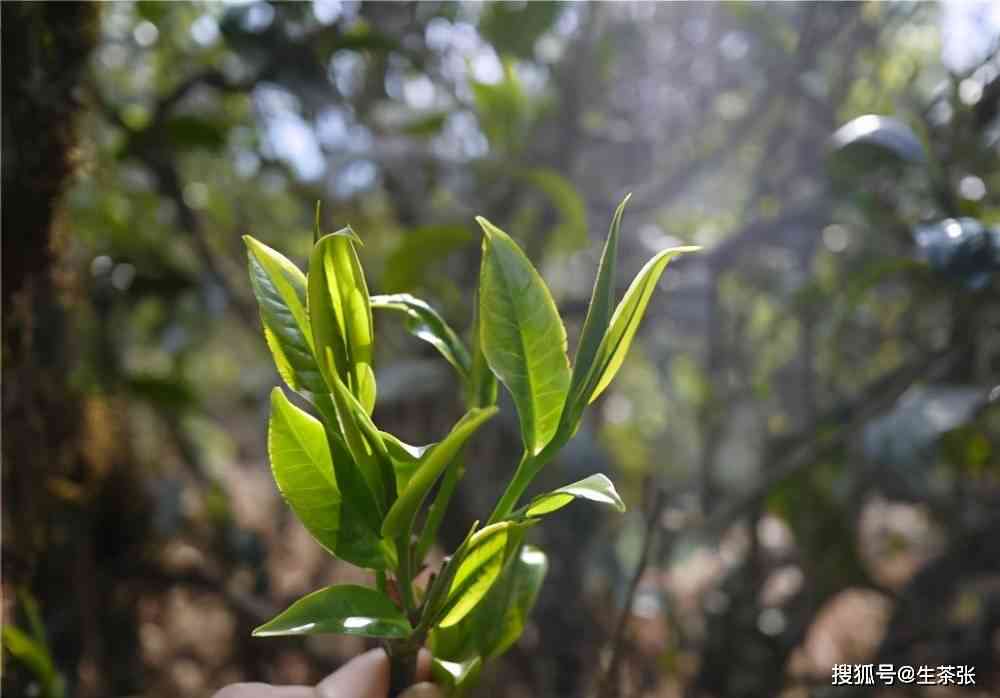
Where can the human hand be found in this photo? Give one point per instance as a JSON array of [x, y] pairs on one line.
[[365, 676]]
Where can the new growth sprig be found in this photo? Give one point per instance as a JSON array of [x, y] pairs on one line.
[[376, 502]]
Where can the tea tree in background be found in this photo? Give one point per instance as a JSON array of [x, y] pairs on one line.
[[365, 495]]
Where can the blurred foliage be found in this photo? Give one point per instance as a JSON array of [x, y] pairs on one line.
[[786, 391]]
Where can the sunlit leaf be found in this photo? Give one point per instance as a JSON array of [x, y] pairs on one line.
[[303, 469], [522, 336], [423, 322], [625, 322], [432, 464], [342, 610], [476, 572], [405, 458], [883, 133], [457, 677], [596, 488], [280, 288], [481, 388], [595, 326], [341, 315], [510, 602]]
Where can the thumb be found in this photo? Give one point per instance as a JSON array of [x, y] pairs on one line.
[[422, 690]]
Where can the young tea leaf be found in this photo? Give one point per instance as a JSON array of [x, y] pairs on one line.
[[597, 488], [476, 572], [515, 595], [423, 322], [341, 316], [433, 462], [343, 610], [280, 289], [522, 336], [595, 326], [624, 323], [303, 469]]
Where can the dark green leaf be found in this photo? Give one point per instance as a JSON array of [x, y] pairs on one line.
[[515, 27], [343, 610], [423, 322], [360, 542], [522, 336], [883, 133], [433, 463], [597, 488], [303, 469]]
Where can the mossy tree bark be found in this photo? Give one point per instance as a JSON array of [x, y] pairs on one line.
[[72, 512]]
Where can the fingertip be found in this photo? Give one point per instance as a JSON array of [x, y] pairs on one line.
[[423, 690], [365, 675], [423, 665]]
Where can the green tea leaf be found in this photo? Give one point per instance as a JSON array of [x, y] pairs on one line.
[[624, 323], [476, 572], [405, 458], [481, 388], [595, 326], [343, 610], [522, 336], [423, 322], [433, 463], [341, 316], [34, 654], [280, 289], [457, 677], [510, 602], [597, 488], [359, 542], [303, 469], [365, 442]]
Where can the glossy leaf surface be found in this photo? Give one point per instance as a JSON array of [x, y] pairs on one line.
[[596, 488], [280, 289], [523, 338], [341, 316], [423, 322], [432, 464], [478, 569], [303, 469], [625, 322], [342, 610]]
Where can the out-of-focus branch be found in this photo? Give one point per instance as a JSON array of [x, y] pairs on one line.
[[609, 685], [828, 433]]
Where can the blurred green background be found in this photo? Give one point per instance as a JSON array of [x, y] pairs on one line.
[[806, 431]]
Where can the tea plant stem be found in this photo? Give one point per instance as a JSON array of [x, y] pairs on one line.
[[402, 663], [405, 575], [436, 513], [519, 483]]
